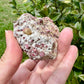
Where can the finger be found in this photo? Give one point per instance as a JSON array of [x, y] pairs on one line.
[[63, 70], [29, 64], [35, 79], [24, 72], [13, 50], [64, 42], [11, 59], [40, 65]]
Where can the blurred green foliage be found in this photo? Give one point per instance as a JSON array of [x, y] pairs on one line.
[[64, 13]]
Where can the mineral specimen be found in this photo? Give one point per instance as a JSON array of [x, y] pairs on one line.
[[38, 37]]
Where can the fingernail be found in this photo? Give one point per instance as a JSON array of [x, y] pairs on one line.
[[6, 31], [69, 28], [6, 35]]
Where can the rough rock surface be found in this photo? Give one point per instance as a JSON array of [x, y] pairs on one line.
[[37, 37]]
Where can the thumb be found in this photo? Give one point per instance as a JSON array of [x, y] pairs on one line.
[[11, 59]]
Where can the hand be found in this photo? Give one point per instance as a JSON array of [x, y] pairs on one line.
[[44, 72]]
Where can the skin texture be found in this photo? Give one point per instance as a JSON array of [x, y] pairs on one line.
[[41, 72]]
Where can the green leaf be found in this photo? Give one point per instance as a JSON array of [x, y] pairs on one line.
[[71, 75], [82, 22], [37, 14], [45, 9], [75, 0], [74, 12], [74, 81], [55, 16], [79, 63], [14, 11], [81, 77], [14, 2], [66, 10], [12, 6], [77, 73], [71, 18], [81, 33], [76, 4], [77, 25], [82, 6], [10, 2], [82, 41]]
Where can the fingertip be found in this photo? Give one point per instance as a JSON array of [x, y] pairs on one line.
[[11, 41], [68, 29], [67, 32], [71, 55], [8, 34], [66, 35], [74, 49]]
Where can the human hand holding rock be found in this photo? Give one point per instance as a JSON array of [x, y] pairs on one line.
[[44, 72]]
